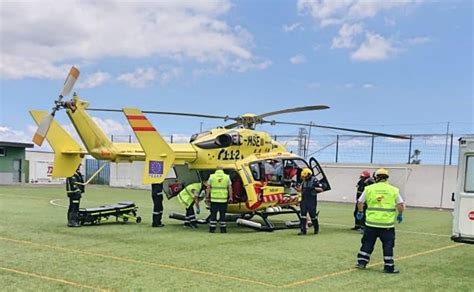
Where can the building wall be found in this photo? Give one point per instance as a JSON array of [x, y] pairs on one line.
[[8, 175], [420, 185], [40, 167]]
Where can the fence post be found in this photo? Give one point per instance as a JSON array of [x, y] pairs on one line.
[[112, 138], [171, 140], [409, 149], [451, 150], [372, 150], [337, 147]]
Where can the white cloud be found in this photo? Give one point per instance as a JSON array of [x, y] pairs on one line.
[[141, 77], [298, 59], [94, 80], [419, 40], [43, 38], [368, 86], [112, 127], [374, 48], [330, 12], [292, 27], [8, 134], [346, 34]]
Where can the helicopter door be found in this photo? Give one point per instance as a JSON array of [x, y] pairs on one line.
[[319, 173]]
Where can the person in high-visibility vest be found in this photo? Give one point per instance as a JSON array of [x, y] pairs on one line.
[[218, 194], [189, 198], [383, 201], [74, 188]]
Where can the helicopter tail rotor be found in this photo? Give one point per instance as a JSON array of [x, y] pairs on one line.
[[45, 123]]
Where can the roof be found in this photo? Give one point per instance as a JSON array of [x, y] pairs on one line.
[[16, 144]]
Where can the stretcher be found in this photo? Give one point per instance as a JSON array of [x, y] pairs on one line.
[[123, 212]]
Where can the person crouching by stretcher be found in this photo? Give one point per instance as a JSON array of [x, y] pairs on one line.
[[189, 198], [74, 188]]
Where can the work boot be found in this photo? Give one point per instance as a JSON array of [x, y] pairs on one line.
[[212, 229], [391, 271], [302, 232], [360, 266], [223, 229], [157, 225]]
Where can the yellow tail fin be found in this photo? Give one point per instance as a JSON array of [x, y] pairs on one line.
[[159, 155], [67, 152]]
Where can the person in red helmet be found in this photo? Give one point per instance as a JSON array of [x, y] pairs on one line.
[[364, 180]]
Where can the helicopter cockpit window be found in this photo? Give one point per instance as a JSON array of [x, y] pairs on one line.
[[255, 169]]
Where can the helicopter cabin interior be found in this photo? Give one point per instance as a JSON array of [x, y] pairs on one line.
[[252, 178]]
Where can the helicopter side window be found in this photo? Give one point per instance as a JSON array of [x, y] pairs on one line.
[[273, 171]]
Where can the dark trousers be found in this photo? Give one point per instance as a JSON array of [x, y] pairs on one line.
[[221, 208], [190, 219], [157, 208], [73, 210], [308, 205], [387, 236], [361, 222]]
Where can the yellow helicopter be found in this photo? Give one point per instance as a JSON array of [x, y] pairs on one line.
[[263, 173]]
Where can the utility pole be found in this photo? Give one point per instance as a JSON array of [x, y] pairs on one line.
[[302, 142]]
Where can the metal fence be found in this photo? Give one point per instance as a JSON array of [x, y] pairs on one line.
[[103, 177], [432, 149]]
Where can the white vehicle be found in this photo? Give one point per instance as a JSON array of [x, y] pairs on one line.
[[463, 221]]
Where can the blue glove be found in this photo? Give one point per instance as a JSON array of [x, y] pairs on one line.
[[198, 210], [400, 218], [359, 215]]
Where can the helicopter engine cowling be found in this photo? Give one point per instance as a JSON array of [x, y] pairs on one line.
[[224, 140]]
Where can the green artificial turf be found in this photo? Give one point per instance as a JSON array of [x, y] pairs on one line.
[[38, 251]]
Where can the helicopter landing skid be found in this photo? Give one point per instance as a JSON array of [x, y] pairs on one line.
[[268, 224]]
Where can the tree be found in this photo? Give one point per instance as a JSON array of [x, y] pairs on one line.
[[414, 157]]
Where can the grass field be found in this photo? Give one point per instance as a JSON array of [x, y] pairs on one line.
[[38, 251]]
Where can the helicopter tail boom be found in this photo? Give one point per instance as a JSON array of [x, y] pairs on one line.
[[159, 155], [67, 152]]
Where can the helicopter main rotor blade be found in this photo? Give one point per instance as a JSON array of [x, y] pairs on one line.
[[340, 129], [43, 129], [294, 110], [69, 82], [225, 118]]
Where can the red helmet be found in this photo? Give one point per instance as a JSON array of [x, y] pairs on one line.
[[365, 174]]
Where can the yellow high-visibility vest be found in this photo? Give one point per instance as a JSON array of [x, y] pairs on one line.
[[186, 196], [381, 199], [219, 182]]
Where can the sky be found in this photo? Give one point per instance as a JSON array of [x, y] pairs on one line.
[[401, 67]]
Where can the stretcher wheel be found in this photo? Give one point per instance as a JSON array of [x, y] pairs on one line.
[[125, 219], [139, 219]]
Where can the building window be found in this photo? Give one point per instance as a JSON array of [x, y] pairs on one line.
[[3, 151]]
